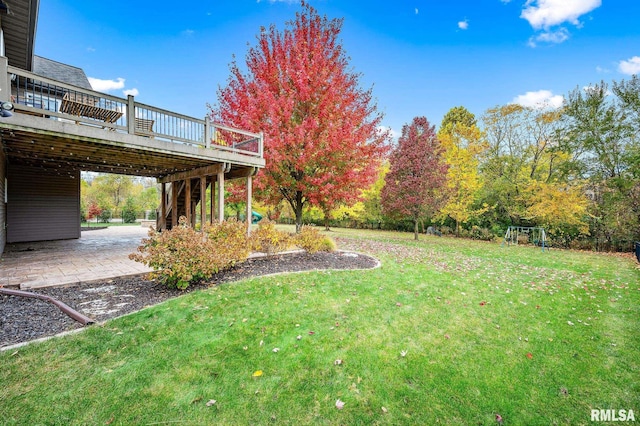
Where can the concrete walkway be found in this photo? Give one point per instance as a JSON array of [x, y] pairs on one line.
[[97, 255]]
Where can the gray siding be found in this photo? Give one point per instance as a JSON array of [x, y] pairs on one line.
[[42, 206], [3, 206]]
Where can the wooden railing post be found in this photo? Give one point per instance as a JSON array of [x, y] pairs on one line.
[[261, 145], [131, 115], [207, 132], [5, 80]]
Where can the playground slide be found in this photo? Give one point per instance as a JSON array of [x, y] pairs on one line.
[[255, 217]]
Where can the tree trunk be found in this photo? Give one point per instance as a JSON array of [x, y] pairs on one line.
[[298, 211], [415, 229], [326, 224]]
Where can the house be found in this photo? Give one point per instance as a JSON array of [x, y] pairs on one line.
[[59, 127]]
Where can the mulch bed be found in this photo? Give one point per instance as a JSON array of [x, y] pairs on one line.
[[23, 319]]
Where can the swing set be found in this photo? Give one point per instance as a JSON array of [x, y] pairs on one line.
[[534, 235]]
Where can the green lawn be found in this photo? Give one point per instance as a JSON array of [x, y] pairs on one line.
[[447, 331]]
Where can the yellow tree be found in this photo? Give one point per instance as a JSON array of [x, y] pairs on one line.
[[557, 206], [463, 144]]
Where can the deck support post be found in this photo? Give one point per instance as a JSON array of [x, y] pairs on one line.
[[212, 207], [203, 202], [187, 200], [162, 222], [220, 196], [249, 209], [174, 204]]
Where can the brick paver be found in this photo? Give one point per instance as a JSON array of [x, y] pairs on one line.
[[97, 255]]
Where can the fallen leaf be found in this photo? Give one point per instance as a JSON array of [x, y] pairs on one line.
[[403, 353], [299, 337], [276, 350], [339, 404], [446, 336], [570, 323], [211, 402], [529, 355], [257, 373], [384, 410], [499, 418], [337, 362], [196, 399], [483, 303], [312, 332]]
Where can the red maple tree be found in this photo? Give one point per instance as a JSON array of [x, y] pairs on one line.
[[322, 137], [415, 184], [93, 211]]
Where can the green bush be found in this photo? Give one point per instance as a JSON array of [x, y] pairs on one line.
[[268, 239], [311, 240], [104, 216], [182, 255], [129, 211]]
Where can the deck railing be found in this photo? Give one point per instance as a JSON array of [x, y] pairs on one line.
[[44, 97]]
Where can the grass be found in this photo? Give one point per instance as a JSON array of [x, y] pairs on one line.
[[447, 331], [117, 222]]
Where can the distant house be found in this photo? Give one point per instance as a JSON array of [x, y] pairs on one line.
[[60, 126]]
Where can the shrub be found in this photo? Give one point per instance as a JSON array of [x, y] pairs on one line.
[[129, 211], [311, 240], [483, 234], [104, 216], [182, 255], [230, 242], [268, 239]]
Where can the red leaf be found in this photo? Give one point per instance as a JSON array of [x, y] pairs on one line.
[[529, 355]]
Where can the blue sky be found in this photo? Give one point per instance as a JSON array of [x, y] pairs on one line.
[[422, 57]]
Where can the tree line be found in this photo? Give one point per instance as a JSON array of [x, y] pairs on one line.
[[573, 170]]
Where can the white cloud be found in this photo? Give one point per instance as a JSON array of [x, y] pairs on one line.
[[417, 11], [557, 36], [630, 66], [463, 25], [543, 14], [106, 85], [132, 92], [601, 70], [539, 100]]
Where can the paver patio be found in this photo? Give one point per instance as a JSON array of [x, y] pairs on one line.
[[97, 255]]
